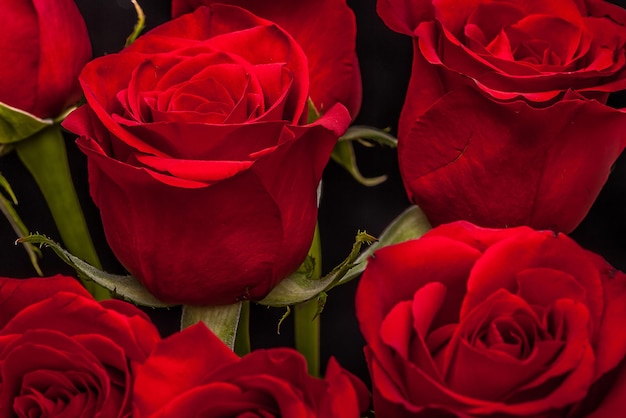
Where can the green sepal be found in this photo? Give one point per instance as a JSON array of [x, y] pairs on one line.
[[139, 26], [297, 288], [223, 320], [321, 302], [282, 318], [16, 124], [313, 114], [343, 153], [127, 287]]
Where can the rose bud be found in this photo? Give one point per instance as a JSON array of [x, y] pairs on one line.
[[200, 156]]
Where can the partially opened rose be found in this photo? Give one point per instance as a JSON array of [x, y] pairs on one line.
[[326, 31], [64, 354], [472, 322], [505, 121], [214, 382], [201, 160], [44, 45]]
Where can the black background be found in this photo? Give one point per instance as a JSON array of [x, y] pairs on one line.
[[385, 60]]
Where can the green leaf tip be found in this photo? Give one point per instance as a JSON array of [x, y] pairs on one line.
[[139, 26], [344, 155], [282, 318]]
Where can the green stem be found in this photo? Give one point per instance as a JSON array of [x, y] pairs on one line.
[[242, 341], [44, 155], [307, 322], [221, 319]]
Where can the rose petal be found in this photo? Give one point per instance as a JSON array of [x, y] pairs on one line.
[[334, 71], [509, 164], [18, 294], [155, 382]]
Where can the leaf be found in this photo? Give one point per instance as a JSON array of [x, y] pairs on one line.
[[222, 320], [16, 125], [7, 188], [6, 207], [343, 153], [45, 157], [128, 287], [368, 133]]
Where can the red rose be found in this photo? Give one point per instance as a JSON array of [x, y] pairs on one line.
[[326, 31], [64, 354], [505, 121], [44, 45], [484, 322], [200, 158], [215, 382]]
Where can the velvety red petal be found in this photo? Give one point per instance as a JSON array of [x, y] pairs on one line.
[[326, 31], [59, 368], [509, 164], [476, 236], [500, 372], [126, 195], [342, 386], [501, 266], [18, 294], [64, 50], [611, 399], [395, 273], [405, 15], [610, 348], [17, 68], [171, 370], [76, 315], [198, 170]]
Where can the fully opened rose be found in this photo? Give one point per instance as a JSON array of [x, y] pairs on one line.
[[201, 160], [215, 382], [505, 121], [44, 45], [64, 354], [467, 321]]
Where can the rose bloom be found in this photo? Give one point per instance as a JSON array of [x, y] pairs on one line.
[[326, 31], [471, 322], [215, 382], [64, 354], [505, 121], [44, 45], [200, 157]]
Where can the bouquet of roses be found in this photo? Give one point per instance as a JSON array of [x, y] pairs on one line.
[[212, 145]]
